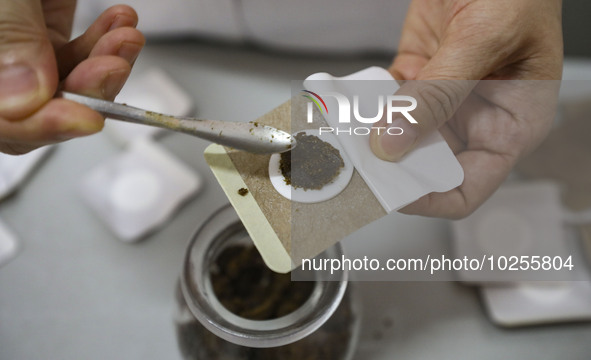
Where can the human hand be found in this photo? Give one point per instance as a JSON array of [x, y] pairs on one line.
[[36, 58], [488, 124]]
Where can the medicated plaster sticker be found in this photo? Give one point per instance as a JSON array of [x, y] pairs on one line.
[[151, 90], [564, 156], [332, 188], [520, 219], [139, 190], [536, 303], [8, 244], [430, 167], [267, 215], [284, 231]]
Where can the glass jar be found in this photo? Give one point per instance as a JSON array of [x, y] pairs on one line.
[[322, 325]]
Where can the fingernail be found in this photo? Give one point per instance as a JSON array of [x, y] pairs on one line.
[[78, 129], [113, 83], [18, 85], [129, 51], [73, 134], [396, 146], [122, 20]]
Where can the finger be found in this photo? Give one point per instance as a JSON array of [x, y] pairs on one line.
[[59, 17], [441, 86], [479, 184], [100, 77], [456, 131], [452, 138], [57, 121], [437, 101], [28, 75], [123, 42], [407, 66], [80, 48]]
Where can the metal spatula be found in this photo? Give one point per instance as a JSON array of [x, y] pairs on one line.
[[251, 137]]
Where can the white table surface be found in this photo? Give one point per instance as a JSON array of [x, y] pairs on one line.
[[75, 292]]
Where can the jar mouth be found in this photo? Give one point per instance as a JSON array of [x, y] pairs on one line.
[[222, 228]]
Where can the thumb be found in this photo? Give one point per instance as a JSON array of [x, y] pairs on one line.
[[437, 101], [28, 70], [440, 88]]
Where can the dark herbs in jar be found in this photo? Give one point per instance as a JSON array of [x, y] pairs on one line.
[[312, 164], [246, 287]]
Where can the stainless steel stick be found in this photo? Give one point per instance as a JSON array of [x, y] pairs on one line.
[[251, 137]]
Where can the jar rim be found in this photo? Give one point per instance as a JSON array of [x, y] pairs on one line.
[[206, 308]]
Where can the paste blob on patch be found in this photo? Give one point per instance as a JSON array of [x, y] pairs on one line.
[[316, 170]]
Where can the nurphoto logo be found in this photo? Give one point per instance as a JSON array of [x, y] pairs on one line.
[[389, 104]]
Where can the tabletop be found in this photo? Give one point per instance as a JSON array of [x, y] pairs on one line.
[[76, 292]]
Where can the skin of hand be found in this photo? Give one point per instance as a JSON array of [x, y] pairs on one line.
[[37, 58], [448, 46]]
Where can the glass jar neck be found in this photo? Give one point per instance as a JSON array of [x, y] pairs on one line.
[[222, 229]]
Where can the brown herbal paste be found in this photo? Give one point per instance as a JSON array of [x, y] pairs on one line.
[[312, 164], [242, 191]]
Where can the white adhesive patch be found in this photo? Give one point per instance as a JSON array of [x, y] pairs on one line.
[[135, 191], [8, 244], [312, 196], [431, 166], [151, 90], [535, 303], [14, 170], [139, 190], [504, 232], [546, 291], [519, 219]]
